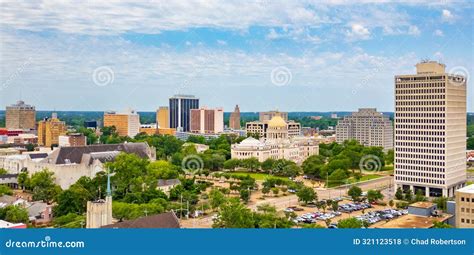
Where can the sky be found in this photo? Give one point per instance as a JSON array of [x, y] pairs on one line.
[[261, 54]]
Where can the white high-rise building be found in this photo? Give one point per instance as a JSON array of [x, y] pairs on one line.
[[368, 127], [430, 130]]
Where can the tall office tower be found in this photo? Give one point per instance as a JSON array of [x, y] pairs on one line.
[[126, 123], [367, 126], [267, 116], [49, 131], [234, 120], [430, 130], [207, 121], [162, 117], [20, 116], [180, 111]]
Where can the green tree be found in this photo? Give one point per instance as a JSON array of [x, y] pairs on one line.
[[129, 171], [5, 190], [355, 193], [43, 185], [267, 165], [89, 134], [160, 169], [335, 205], [350, 223], [338, 175], [14, 214], [231, 164], [265, 190], [374, 195], [312, 225], [399, 194], [389, 157], [244, 195], [441, 203], [312, 165], [408, 195], [216, 198], [251, 164], [439, 224], [72, 200], [306, 194], [391, 203], [70, 220], [290, 170], [234, 214], [275, 191], [3, 171], [420, 196], [24, 180], [470, 143]]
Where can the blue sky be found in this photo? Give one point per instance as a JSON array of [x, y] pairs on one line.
[[291, 55]]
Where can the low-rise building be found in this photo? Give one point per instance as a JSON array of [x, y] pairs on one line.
[[465, 207], [6, 224], [420, 215], [73, 139], [71, 163], [166, 185]]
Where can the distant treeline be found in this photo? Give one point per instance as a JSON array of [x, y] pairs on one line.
[[77, 118]]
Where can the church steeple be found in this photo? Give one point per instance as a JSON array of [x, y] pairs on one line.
[[109, 191]]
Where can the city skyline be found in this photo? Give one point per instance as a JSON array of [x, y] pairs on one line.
[[291, 56]]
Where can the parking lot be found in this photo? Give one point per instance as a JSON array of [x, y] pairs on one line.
[[362, 211]]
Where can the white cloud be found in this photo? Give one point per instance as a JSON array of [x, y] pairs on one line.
[[221, 42], [447, 16], [152, 17], [413, 30], [438, 32], [358, 32]]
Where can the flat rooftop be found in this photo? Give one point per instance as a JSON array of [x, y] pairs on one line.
[[424, 205], [467, 189], [413, 221]]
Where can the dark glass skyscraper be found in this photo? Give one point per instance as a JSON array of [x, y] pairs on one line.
[[180, 111]]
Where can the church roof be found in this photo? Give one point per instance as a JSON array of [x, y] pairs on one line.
[[163, 220], [74, 155], [277, 121]]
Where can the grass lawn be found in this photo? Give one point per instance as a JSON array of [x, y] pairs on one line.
[[364, 178], [350, 180], [258, 176]]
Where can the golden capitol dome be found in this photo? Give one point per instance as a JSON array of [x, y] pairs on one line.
[[277, 121]]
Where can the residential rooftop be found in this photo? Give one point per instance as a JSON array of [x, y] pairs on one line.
[[424, 205], [414, 221]]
